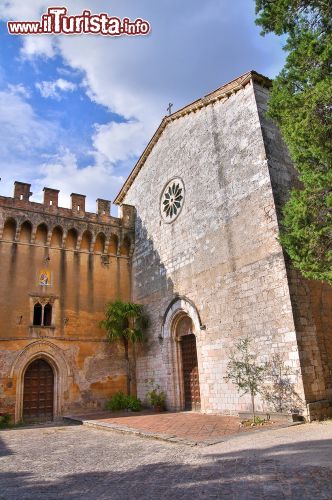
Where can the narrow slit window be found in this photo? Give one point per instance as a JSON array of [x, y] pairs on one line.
[[48, 315], [37, 314]]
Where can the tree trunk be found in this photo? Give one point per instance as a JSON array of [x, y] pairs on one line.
[[126, 347], [253, 408]]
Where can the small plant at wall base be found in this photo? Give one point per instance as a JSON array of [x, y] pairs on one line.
[[121, 401], [5, 421], [278, 390], [125, 322], [155, 396], [244, 371]]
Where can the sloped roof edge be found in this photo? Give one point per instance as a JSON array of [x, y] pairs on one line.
[[221, 93]]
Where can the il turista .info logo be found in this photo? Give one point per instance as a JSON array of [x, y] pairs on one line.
[[57, 21]]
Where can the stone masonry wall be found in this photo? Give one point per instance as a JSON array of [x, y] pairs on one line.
[[221, 253], [311, 300]]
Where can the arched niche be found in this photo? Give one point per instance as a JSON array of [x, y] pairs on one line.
[[125, 247], [56, 238], [26, 232], [100, 243], [71, 240], [9, 230], [113, 245], [41, 234], [86, 241]]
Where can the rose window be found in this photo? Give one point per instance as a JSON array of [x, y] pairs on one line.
[[172, 200]]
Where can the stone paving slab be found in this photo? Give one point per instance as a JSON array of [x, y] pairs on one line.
[[82, 463], [189, 428]]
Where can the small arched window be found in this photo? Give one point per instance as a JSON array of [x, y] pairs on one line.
[[48, 315], [37, 314]]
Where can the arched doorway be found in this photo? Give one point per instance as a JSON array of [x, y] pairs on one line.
[[189, 363], [38, 392]]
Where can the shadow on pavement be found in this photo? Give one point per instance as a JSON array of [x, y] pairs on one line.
[[275, 472]]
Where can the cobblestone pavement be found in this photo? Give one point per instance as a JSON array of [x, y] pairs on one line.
[[77, 462]]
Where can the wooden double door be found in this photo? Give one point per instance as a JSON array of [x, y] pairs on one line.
[[192, 397], [38, 392]]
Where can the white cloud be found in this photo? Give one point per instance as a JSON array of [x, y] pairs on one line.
[[19, 89], [54, 90], [119, 141], [98, 181], [22, 130], [193, 48]]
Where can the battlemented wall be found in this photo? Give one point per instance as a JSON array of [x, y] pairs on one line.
[[221, 254], [86, 259]]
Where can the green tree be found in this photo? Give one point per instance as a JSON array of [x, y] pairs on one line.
[[301, 104], [244, 370], [125, 322]]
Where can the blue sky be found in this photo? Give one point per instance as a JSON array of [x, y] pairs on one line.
[[77, 111]]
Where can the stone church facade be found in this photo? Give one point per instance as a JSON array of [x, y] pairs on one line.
[[196, 243], [208, 192]]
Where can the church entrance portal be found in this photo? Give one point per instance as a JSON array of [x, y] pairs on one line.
[[38, 392], [192, 398]]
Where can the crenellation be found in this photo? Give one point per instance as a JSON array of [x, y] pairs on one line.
[[14, 212], [68, 263], [51, 197], [22, 191], [78, 204]]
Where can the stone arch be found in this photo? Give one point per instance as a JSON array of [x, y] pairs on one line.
[[100, 243], [71, 239], [62, 373], [125, 247], [113, 244], [26, 232], [57, 237], [41, 234], [86, 241], [178, 310], [9, 229]]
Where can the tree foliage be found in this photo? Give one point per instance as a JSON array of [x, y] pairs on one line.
[[244, 370], [301, 105], [125, 322]]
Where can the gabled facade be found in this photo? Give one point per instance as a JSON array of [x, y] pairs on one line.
[[208, 192]]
